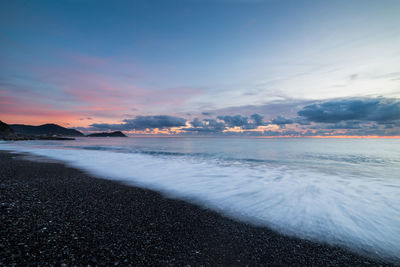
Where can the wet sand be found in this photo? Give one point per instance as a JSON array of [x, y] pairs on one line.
[[54, 214]]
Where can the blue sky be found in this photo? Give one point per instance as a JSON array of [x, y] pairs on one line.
[[87, 62]]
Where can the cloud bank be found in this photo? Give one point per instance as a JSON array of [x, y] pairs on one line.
[[361, 116], [143, 123], [380, 110]]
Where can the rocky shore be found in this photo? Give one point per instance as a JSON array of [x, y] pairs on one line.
[[52, 214]]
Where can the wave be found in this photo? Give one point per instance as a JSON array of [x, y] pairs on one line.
[[352, 159], [213, 156], [354, 211]]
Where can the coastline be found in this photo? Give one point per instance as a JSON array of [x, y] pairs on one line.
[[54, 214]]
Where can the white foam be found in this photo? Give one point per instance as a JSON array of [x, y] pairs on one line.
[[363, 214]]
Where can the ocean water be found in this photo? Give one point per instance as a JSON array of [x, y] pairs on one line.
[[339, 191]]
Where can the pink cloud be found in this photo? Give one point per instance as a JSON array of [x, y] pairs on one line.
[[17, 110], [90, 86], [95, 90]]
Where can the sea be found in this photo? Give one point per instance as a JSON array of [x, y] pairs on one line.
[[342, 192]]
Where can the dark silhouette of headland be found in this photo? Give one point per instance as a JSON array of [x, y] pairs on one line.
[[105, 134], [48, 131]]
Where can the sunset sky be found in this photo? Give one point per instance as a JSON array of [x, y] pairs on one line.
[[201, 67]]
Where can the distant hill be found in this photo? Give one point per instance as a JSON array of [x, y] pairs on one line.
[[5, 130], [44, 130], [112, 134]]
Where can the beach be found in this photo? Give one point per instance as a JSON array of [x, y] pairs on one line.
[[54, 214]]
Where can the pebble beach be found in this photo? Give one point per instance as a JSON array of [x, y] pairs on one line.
[[52, 214]]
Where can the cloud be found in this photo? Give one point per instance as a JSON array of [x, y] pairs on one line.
[[95, 87], [344, 125], [206, 113], [301, 121], [271, 110], [161, 121], [362, 116], [87, 118], [392, 124], [380, 110], [257, 119], [233, 121], [205, 126], [348, 125], [142, 123], [105, 127], [211, 123], [281, 120], [225, 122], [197, 123], [16, 108]]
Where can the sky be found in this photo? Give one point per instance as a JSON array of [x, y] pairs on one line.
[[203, 67]]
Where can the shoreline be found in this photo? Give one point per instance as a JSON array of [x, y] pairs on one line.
[[55, 214]]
